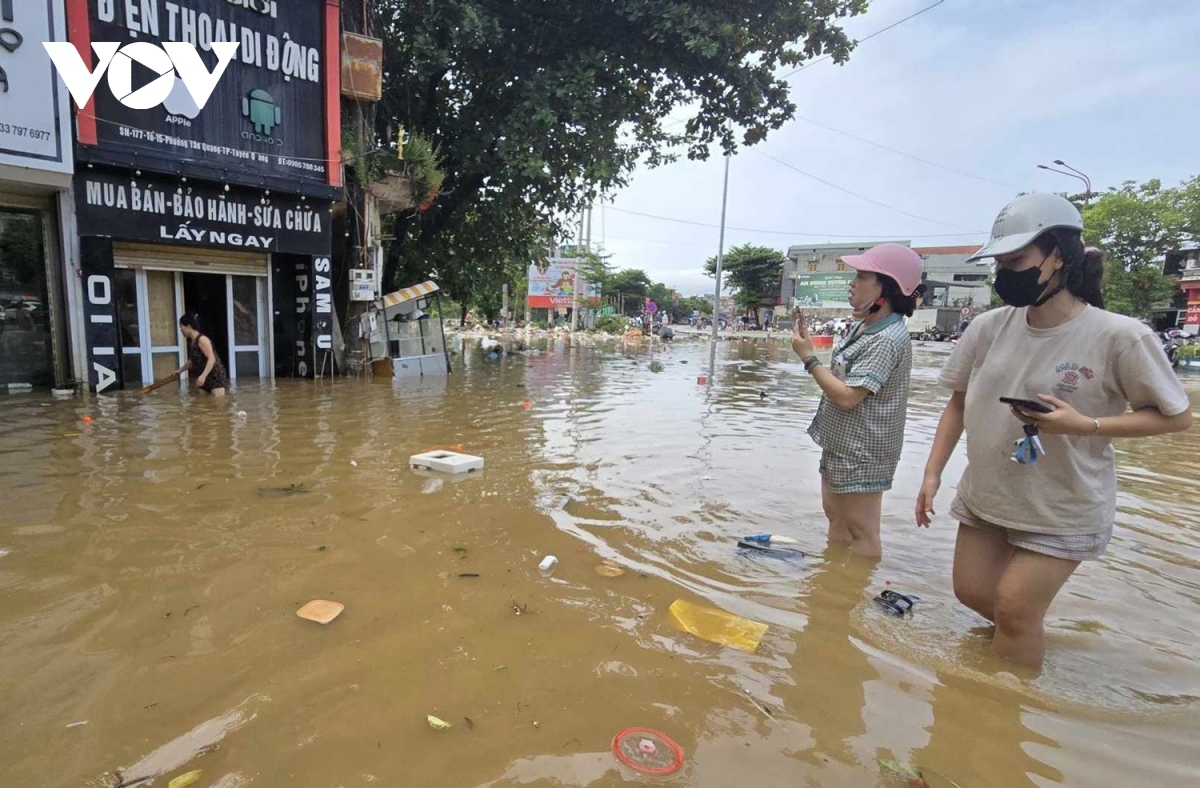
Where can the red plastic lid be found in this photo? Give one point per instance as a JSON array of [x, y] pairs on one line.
[[648, 751]]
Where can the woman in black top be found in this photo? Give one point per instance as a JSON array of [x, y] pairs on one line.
[[202, 358]]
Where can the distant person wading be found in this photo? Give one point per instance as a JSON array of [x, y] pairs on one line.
[[203, 365]]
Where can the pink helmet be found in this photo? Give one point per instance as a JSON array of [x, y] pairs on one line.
[[895, 261]]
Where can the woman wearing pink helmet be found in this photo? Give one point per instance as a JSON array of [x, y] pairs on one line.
[[859, 423]]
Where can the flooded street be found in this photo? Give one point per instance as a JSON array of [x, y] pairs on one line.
[[152, 562]]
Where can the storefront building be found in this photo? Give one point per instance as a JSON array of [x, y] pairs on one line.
[[222, 212], [35, 206]]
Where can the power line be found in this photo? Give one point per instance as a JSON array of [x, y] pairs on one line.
[[863, 197], [872, 143], [879, 32], [793, 233]]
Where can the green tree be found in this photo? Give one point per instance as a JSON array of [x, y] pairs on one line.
[[752, 274], [536, 108], [634, 285], [1136, 225], [596, 271]]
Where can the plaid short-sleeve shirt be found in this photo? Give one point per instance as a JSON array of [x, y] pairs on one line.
[[879, 359]]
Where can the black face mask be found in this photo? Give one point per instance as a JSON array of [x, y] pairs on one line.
[[1022, 288]]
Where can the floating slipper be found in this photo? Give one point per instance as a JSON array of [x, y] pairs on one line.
[[896, 604]]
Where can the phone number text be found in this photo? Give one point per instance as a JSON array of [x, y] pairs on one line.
[[24, 131]]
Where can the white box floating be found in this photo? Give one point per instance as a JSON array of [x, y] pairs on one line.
[[446, 462]]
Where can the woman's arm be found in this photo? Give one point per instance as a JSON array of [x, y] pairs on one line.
[[837, 392], [1141, 423], [949, 430]]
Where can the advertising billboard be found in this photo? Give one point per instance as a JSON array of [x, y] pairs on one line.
[[267, 120], [35, 115], [823, 290], [552, 285]]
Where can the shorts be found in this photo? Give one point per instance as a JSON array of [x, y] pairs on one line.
[[1069, 547], [851, 475]]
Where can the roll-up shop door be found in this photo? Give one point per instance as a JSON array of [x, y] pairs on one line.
[[189, 259]]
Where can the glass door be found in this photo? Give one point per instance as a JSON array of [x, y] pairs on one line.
[[247, 329], [162, 304]]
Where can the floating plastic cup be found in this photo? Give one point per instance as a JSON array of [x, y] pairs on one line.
[[647, 751], [548, 565]]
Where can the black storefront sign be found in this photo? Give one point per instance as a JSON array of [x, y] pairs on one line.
[[264, 120], [100, 314], [165, 210], [292, 294], [322, 310]]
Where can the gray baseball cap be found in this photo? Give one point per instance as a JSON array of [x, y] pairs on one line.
[[1024, 219]]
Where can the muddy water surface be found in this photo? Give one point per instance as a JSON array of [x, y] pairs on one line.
[[151, 563]]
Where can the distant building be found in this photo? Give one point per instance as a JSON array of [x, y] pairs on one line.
[[816, 277], [1185, 265], [951, 280], [816, 280]]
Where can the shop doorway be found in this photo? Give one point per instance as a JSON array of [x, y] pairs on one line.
[[26, 344], [231, 308], [205, 296]]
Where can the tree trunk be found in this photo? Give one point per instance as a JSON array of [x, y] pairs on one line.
[[462, 320]]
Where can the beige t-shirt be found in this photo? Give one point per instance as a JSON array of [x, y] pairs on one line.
[[1099, 362]]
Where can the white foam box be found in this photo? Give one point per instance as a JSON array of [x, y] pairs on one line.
[[446, 462]]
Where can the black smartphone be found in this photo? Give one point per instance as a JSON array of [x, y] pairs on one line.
[[1037, 406]]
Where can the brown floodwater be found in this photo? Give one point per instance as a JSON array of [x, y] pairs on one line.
[[152, 562]]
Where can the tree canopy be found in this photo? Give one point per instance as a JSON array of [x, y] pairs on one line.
[[1136, 225], [535, 107], [751, 273]]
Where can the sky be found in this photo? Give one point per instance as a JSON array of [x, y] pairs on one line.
[[984, 90]]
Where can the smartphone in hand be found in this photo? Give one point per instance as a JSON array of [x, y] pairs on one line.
[[1033, 405]]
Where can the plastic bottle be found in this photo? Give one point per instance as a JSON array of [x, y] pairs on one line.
[[548, 565]]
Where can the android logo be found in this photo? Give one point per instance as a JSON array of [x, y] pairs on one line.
[[260, 108]]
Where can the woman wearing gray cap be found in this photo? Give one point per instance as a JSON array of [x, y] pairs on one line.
[[1038, 495]]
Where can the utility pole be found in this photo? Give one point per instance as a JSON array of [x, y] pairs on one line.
[[504, 305], [712, 351], [575, 287]]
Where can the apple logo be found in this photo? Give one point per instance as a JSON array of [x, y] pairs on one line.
[[180, 101]]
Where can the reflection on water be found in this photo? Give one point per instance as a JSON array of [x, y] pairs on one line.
[[151, 563]]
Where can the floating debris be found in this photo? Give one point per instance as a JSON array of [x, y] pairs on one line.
[[184, 780], [79, 724], [718, 626], [279, 492], [437, 723], [321, 610], [609, 569]]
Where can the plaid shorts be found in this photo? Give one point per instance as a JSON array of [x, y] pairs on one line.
[[848, 475], [1069, 547]]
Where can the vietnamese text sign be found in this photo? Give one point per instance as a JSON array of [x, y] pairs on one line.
[[160, 209], [34, 109], [265, 116], [554, 285], [823, 290]]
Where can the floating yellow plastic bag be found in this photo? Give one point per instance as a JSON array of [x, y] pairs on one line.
[[184, 780], [718, 626]]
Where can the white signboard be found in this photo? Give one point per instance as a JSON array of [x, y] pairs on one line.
[[34, 112]]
